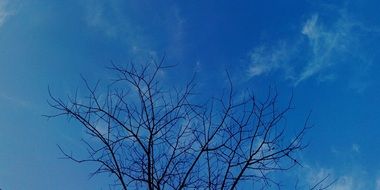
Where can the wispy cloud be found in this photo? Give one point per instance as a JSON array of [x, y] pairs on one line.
[[143, 31], [330, 45], [323, 44], [265, 60], [15, 101], [95, 18], [355, 148], [4, 11], [378, 183], [336, 180], [345, 183]]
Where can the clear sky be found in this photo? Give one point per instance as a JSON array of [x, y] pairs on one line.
[[326, 52]]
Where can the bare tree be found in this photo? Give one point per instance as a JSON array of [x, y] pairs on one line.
[[153, 137]]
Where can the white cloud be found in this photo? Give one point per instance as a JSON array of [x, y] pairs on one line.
[[309, 29], [344, 183], [356, 148], [96, 17], [15, 101], [133, 23], [352, 179], [313, 177], [115, 23], [4, 12], [265, 60], [377, 183], [325, 43], [320, 47]]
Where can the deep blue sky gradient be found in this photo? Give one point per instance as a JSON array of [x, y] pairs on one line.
[[326, 53]]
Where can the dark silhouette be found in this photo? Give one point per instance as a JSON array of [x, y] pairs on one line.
[[150, 137]]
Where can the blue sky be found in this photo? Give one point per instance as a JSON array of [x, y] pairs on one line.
[[326, 52]]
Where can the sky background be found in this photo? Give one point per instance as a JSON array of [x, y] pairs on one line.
[[326, 53]]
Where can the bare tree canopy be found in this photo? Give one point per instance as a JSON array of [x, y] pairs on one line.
[[150, 136]]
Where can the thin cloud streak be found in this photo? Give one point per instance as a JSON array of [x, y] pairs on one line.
[[265, 60], [4, 12], [355, 179], [129, 26], [318, 48], [326, 43], [15, 101]]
